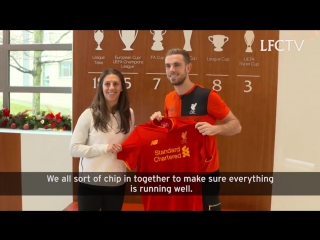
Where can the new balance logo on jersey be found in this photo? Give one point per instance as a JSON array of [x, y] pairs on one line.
[[193, 108], [184, 137], [154, 142]]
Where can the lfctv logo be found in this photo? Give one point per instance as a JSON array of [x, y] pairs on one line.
[[268, 45]]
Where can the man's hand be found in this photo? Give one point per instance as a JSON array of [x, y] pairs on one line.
[[156, 115], [114, 148], [208, 129]]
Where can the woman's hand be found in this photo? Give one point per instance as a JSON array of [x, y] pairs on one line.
[[114, 148]]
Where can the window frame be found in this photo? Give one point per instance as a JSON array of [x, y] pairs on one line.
[[5, 49]]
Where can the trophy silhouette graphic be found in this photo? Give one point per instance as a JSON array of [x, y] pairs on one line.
[[98, 37], [128, 37], [218, 41], [249, 38], [157, 37], [187, 38]]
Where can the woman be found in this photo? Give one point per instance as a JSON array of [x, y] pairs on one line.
[[97, 139]]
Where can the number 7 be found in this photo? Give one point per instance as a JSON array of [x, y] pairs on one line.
[[158, 79]]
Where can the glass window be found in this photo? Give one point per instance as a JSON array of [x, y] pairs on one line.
[[40, 36], [46, 74], [30, 70], [1, 36], [40, 68], [65, 69], [55, 102]]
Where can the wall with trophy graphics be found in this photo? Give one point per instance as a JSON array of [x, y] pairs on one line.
[[229, 61]]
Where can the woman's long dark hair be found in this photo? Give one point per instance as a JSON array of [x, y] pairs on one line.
[[100, 112]]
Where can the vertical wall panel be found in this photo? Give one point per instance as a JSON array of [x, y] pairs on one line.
[[10, 162]]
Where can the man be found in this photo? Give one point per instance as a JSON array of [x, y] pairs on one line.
[[192, 101]]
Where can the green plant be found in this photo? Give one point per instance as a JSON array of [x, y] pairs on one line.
[[44, 120]]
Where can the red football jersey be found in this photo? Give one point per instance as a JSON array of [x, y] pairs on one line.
[[202, 105], [166, 149]]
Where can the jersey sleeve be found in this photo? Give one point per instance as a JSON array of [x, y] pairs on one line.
[[216, 106], [165, 109], [130, 150]]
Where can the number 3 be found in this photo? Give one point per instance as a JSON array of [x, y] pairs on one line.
[[248, 85]]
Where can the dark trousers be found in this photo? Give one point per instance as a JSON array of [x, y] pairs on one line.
[[95, 198], [210, 193]]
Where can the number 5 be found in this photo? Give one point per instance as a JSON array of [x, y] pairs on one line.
[[127, 82]]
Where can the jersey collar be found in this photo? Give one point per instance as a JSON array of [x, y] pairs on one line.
[[165, 123], [190, 90]]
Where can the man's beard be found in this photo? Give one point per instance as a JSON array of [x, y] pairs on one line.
[[179, 81]]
